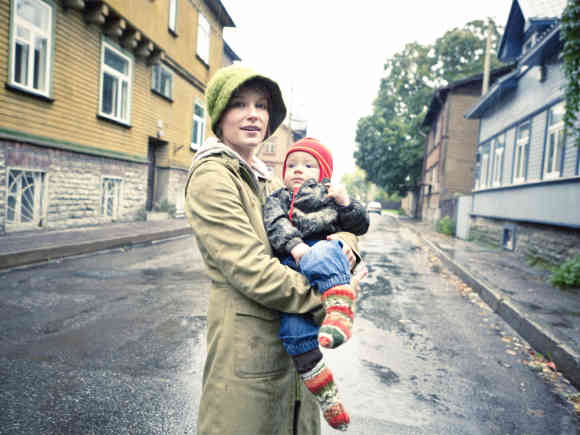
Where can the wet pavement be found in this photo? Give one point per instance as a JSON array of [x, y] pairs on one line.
[[113, 343], [546, 316]]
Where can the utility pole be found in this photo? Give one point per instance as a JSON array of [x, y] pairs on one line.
[[487, 60]]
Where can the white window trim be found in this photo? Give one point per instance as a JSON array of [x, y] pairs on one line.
[[173, 16], [162, 69], [521, 145], [270, 147], [36, 32], [483, 180], [196, 142], [39, 204], [117, 200], [555, 129], [498, 166], [104, 68], [203, 38]]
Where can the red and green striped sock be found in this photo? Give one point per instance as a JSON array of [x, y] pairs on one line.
[[320, 382], [336, 327]]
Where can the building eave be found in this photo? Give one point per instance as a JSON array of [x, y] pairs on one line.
[[220, 12]]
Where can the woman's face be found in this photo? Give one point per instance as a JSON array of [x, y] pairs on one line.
[[245, 121]]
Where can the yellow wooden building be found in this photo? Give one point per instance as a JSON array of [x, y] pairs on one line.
[[102, 106]]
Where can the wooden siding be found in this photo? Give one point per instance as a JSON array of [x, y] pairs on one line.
[[182, 47], [461, 143], [72, 116]]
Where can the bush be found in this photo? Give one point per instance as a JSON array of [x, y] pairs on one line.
[[567, 275], [446, 225], [167, 207], [141, 215]]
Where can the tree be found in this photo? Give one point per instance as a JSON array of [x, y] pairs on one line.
[[391, 139], [571, 58], [356, 184]]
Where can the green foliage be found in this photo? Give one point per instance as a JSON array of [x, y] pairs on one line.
[[166, 206], [567, 275], [391, 140], [446, 225], [356, 184], [570, 35], [141, 215]]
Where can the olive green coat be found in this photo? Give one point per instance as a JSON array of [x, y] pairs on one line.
[[250, 385]]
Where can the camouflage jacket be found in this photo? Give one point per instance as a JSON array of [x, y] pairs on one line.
[[314, 216]]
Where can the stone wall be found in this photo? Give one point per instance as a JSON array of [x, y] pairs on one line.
[[73, 184], [532, 241]]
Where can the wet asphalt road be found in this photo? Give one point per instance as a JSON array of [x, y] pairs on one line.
[[114, 343]]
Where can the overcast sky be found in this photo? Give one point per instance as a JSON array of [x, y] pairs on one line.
[[328, 55]]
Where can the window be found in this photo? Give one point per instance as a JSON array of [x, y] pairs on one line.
[[521, 153], [110, 196], [24, 201], [498, 159], [270, 147], [162, 80], [173, 16], [483, 164], [31, 46], [116, 73], [198, 130], [555, 142], [203, 39]]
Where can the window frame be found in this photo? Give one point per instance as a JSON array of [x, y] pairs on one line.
[[118, 181], [49, 34], [557, 129], [172, 22], [521, 146], [498, 161], [157, 71], [198, 125], [109, 45], [270, 147], [39, 200], [203, 44], [483, 177]]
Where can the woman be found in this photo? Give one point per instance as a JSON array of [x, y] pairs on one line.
[[249, 383]]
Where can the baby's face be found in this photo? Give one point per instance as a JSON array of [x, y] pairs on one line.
[[300, 167]]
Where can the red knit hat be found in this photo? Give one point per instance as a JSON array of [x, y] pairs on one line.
[[318, 151]]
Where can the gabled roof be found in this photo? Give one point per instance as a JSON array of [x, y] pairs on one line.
[[440, 95], [526, 16], [503, 85], [220, 12], [230, 52]]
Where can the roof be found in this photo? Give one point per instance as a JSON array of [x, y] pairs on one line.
[[220, 12], [230, 53], [503, 85], [526, 15], [440, 95]]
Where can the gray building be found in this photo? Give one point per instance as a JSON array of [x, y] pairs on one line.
[[526, 193]]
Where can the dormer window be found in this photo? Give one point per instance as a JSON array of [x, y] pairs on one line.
[[530, 43]]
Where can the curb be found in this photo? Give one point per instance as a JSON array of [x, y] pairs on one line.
[[32, 256], [567, 360]]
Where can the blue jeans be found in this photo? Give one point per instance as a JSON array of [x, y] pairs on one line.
[[325, 266]]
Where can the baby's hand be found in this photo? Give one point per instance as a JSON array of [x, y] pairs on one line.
[[298, 251], [338, 192]]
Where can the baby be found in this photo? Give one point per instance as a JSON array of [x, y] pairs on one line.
[[298, 219]]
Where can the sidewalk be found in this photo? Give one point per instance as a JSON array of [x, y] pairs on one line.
[[547, 317], [31, 247]]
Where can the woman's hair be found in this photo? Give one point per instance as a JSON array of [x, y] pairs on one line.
[[255, 84]]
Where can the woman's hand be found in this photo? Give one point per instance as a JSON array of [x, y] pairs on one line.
[[298, 251], [346, 249]]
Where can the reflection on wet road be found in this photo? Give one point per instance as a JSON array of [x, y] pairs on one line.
[[425, 360], [114, 343]]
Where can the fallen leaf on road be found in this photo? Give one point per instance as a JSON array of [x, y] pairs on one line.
[[536, 412]]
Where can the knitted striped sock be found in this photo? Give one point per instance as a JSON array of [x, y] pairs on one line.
[[320, 382], [336, 327]]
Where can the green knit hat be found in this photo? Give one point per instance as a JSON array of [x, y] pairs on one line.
[[226, 80]]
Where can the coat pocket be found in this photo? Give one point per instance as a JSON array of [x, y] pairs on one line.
[[258, 349]]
